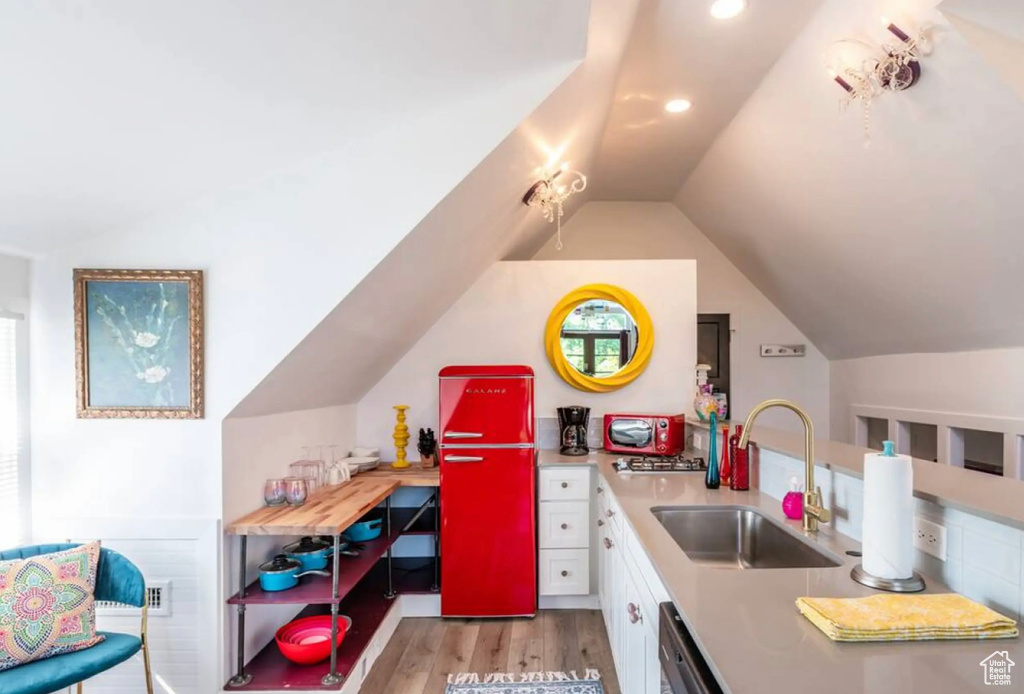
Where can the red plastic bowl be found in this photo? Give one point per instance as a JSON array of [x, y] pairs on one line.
[[307, 641]]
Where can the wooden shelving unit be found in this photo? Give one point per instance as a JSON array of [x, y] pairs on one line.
[[362, 588]]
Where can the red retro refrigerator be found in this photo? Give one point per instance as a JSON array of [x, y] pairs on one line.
[[488, 528]]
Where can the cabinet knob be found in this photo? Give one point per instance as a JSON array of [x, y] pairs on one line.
[[565, 526], [565, 573], [634, 613], [600, 522], [607, 543], [565, 485]]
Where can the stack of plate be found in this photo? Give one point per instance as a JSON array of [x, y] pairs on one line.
[[362, 459]]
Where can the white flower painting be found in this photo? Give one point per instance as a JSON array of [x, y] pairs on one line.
[[138, 348]]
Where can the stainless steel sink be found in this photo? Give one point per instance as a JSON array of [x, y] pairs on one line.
[[738, 537]]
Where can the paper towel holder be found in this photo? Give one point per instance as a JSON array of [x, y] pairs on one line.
[[914, 584]]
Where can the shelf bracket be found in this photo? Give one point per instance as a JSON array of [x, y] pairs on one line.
[[241, 677], [333, 677], [390, 594]]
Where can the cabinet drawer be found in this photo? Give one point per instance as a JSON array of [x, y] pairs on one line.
[[564, 572], [564, 524], [570, 484]]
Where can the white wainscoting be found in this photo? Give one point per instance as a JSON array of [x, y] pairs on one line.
[[184, 646]]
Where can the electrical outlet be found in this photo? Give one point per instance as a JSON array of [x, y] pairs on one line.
[[698, 441], [930, 537]]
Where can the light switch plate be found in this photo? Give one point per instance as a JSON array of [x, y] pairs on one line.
[[930, 537], [783, 350]]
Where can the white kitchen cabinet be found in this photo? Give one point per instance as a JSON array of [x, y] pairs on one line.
[[629, 590], [564, 511], [565, 524], [564, 571]]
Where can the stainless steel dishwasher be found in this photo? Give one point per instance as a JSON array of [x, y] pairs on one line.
[[683, 668]]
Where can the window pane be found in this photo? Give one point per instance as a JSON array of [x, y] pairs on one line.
[[10, 511]]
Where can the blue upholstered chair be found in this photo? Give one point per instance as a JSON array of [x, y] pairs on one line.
[[117, 580]]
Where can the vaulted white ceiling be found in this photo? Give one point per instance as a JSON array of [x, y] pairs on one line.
[[117, 110], [482, 220], [678, 50], [911, 245]]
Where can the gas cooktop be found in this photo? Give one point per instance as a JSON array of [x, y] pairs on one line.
[[660, 464]]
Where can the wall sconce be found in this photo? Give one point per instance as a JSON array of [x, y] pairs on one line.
[[891, 67], [550, 193]]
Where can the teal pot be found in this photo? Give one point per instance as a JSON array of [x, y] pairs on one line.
[[311, 553], [369, 528], [282, 573]]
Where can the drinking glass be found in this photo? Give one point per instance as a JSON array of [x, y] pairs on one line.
[[296, 491], [274, 492]]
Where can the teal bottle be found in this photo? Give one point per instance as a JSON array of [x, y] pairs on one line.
[[713, 478]]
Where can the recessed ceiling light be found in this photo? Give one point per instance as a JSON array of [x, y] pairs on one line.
[[727, 9], [678, 105]]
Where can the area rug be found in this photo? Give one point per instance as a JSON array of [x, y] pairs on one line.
[[525, 683]]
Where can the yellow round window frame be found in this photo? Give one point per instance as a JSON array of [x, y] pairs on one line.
[[628, 373]]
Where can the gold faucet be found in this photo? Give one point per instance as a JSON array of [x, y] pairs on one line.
[[813, 509]]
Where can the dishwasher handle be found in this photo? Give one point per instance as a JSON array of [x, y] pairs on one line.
[[684, 666]]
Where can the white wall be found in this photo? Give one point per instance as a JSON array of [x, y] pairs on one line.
[[500, 320], [628, 230], [860, 247], [278, 255], [975, 390]]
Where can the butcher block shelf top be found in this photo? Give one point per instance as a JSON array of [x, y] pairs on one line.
[[413, 476], [327, 512]]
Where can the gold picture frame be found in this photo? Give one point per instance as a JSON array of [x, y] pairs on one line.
[[148, 327]]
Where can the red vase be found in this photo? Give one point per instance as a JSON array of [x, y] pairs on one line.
[[726, 466]]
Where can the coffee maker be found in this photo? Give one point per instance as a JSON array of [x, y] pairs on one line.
[[572, 424]]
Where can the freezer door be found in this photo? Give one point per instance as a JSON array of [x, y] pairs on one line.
[[488, 533], [486, 411]]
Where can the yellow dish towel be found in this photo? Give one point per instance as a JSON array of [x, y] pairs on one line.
[[905, 618]]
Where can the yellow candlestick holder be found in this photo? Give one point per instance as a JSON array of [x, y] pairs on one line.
[[401, 437]]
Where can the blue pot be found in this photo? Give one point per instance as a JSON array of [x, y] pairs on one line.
[[364, 530], [312, 554], [282, 573]]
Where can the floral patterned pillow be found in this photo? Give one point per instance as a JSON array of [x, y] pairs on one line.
[[47, 606]]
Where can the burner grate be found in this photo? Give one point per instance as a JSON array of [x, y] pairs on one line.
[[660, 464]]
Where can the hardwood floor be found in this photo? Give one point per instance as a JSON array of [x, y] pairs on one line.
[[425, 650]]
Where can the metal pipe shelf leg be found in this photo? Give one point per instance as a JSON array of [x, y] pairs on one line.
[[241, 677], [390, 594], [437, 541], [333, 677]]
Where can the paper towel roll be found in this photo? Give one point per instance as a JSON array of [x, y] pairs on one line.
[[888, 536]]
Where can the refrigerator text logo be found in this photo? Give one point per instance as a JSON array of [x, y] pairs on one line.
[[486, 391]]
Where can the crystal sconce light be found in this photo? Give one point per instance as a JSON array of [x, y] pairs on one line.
[[552, 191], [866, 71]]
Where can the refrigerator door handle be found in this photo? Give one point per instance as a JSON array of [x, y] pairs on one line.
[[463, 435], [463, 458]]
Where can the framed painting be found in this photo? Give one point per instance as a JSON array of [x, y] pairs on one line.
[[139, 344]]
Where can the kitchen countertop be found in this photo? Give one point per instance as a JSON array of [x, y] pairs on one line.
[[748, 627], [555, 459], [1000, 499], [327, 511]]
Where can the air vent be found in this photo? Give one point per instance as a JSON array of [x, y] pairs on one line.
[[158, 597]]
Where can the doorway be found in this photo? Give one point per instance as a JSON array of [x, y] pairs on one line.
[[713, 338]]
